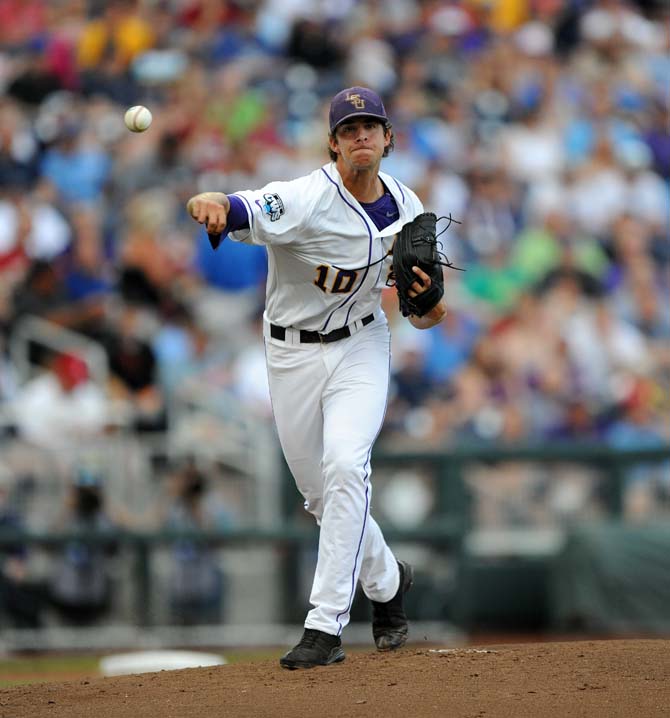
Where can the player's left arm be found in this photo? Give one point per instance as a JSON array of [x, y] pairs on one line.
[[436, 314]]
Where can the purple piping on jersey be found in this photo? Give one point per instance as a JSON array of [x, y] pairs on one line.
[[339, 191], [367, 496], [346, 321], [397, 184], [358, 551], [251, 212], [381, 269]]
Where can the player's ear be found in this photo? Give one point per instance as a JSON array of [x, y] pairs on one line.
[[332, 143]]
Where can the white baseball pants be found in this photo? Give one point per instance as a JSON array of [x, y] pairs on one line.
[[329, 402]]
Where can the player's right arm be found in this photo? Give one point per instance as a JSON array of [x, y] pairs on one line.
[[210, 209], [278, 213]]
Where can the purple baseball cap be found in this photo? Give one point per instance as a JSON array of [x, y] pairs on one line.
[[355, 102]]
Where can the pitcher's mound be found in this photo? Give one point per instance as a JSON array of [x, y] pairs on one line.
[[608, 679]]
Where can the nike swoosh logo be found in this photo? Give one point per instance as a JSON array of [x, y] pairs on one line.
[[390, 214]]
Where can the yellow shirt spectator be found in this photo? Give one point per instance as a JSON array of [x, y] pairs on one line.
[[503, 15], [120, 35]]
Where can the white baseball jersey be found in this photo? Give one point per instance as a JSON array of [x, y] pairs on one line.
[[327, 266], [324, 252]]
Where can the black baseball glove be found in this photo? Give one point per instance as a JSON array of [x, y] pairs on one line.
[[417, 246]]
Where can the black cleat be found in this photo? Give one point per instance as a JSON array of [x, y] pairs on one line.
[[389, 622], [316, 648]]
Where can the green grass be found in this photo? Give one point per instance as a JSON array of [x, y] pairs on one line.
[[33, 669], [20, 670]]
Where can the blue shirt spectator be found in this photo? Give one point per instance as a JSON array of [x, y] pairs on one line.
[[450, 345], [78, 173], [233, 267]]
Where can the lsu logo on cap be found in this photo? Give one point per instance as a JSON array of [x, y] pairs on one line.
[[273, 206], [356, 100]]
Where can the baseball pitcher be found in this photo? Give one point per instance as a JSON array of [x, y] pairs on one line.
[[329, 237]]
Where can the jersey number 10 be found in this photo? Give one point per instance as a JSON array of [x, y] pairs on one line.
[[343, 282]]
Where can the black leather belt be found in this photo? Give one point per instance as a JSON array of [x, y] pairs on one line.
[[312, 337]]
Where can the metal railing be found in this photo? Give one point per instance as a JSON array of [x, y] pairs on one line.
[[32, 329], [451, 465], [447, 528]]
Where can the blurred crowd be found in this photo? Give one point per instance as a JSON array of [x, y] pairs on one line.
[[541, 126]]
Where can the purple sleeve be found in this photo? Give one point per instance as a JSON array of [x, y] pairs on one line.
[[237, 216], [237, 219]]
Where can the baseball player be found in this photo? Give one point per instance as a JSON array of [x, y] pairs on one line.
[[329, 237]]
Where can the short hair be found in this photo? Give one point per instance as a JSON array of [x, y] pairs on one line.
[[388, 127]]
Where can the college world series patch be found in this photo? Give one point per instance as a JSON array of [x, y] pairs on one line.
[[273, 206]]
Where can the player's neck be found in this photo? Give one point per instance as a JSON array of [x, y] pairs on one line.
[[364, 185]]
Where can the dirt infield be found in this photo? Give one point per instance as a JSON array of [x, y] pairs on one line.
[[620, 678]]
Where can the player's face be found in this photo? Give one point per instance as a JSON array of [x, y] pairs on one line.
[[360, 143]]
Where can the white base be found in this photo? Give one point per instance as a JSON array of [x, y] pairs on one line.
[[122, 664]]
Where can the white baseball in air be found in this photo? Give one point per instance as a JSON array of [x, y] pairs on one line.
[[138, 118]]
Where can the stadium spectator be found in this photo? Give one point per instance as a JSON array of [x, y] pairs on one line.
[[638, 425], [195, 585], [87, 273], [134, 377], [107, 46], [21, 596], [80, 585], [62, 406]]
